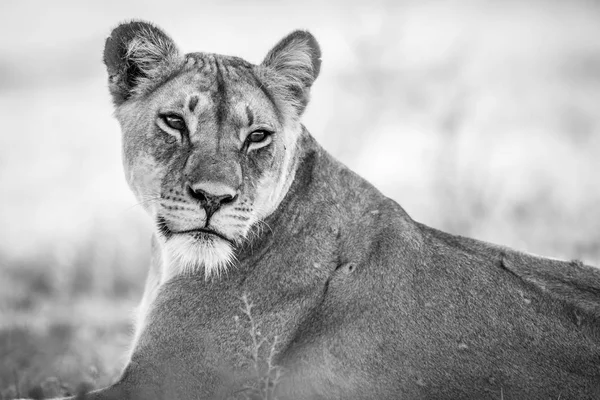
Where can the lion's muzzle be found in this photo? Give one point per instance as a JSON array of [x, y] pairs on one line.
[[211, 196]]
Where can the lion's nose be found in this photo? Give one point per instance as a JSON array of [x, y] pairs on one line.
[[211, 195]]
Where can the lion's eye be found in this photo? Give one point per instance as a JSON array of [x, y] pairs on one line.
[[174, 122], [258, 136]]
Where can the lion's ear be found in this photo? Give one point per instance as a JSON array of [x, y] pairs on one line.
[[137, 56], [296, 61]]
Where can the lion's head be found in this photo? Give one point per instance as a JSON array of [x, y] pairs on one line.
[[209, 141]]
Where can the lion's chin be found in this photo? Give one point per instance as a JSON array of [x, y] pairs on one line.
[[189, 252]]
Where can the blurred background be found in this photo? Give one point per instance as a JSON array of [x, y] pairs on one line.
[[481, 118]]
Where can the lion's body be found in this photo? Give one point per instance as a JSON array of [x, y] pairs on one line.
[[368, 304], [353, 299]]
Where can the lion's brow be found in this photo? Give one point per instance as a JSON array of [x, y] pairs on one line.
[[250, 115], [193, 103]]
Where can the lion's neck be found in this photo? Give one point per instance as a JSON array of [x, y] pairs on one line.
[[299, 198], [323, 189]]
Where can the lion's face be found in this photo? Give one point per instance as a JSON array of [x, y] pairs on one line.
[[208, 141], [208, 159]]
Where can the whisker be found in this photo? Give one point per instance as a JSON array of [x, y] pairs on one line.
[[256, 229], [263, 222], [148, 199], [236, 217]]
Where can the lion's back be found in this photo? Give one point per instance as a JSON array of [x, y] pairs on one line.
[[500, 318]]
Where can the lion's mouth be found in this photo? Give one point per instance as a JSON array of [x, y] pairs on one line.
[[202, 233]]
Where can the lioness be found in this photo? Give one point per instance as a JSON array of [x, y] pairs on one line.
[[279, 272]]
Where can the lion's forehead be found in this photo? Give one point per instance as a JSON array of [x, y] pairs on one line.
[[217, 64], [217, 86], [217, 73]]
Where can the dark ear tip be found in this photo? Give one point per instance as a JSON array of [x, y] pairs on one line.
[[308, 38], [130, 28], [112, 54], [313, 44], [115, 44], [136, 53]]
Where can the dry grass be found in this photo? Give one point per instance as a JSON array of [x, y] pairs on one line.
[[66, 321], [262, 351]]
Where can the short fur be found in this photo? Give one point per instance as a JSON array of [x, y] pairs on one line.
[[356, 300]]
